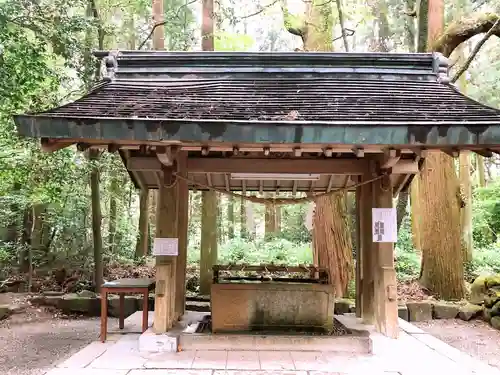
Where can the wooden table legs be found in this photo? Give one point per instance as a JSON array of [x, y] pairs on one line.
[[104, 315], [145, 311], [122, 311], [104, 309]]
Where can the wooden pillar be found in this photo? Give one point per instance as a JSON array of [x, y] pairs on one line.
[[359, 259], [166, 227], [182, 229], [386, 304], [365, 250], [208, 240]]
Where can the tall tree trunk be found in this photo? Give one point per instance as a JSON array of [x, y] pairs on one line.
[[410, 33], [331, 234], [465, 174], [333, 252], [243, 219], [401, 207], [415, 213], [270, 221], [442, 261], [113, 192], [480, 171], [141, 248], [96, 218], [230, 217]]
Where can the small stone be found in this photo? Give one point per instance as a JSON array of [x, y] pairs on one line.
[[403, 312], [444, 310], [4, 312], [419, 311], [343, 306], [495, 322], [469, 311]]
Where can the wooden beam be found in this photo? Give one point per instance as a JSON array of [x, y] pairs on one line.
[[359, 258], [182, 235], [385, 286], [405, 167], [166, 266], [143, 163], [51, 145], [257, 165], [366, 254]]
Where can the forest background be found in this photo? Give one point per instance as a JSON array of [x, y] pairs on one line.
[[63, 213]]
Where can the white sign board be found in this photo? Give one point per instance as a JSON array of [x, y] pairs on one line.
[[166, 246], [384, 225]]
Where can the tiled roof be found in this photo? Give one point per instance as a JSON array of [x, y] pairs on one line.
[[322, 101]]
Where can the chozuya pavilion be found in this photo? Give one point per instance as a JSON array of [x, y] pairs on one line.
[[241, 121]]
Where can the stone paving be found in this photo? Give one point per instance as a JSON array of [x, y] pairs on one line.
[[415, 352]]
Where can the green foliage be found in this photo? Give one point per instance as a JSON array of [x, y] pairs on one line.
[[278, 251], [486, 214]]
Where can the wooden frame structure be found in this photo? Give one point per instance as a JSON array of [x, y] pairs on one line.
[[186, 120]]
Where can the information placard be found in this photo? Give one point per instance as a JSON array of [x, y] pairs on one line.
[[384, 225], [166, 246]]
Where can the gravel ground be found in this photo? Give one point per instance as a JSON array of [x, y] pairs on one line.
[[30, 348], [477, 338]]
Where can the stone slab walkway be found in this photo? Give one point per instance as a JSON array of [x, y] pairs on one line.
[[415, 352]]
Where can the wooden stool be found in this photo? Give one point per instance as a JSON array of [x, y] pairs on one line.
[[121, 287]]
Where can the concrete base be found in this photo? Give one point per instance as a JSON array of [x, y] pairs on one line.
[[358, 342]]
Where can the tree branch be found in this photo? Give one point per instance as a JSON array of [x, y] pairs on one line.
[[264, 8], [341, 21], [475, 51], [464, 29]]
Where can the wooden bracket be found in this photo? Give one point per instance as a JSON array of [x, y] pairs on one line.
[[391, 157], [359, 152], [167, 154]]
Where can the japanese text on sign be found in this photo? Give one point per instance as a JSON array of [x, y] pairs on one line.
[[166, 246], [384, 225]]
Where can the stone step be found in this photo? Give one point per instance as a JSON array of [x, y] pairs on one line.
[[341, 344]]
